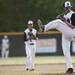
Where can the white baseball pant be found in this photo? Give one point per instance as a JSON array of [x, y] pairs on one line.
[[30, 54], [62, 27], [4, 53], [66, 50], [68, 35]]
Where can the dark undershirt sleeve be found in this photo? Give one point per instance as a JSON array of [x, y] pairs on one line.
[[73, 19], [68, 20], [25, 38]]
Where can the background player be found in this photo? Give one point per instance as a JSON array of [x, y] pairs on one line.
[[5, 47], [67, 30], [30, 37]]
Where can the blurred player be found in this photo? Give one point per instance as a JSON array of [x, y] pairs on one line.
[[30, 37], [5, 47], [66, 25], [69, 16]]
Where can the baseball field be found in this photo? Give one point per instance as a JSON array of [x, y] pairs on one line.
[[45, 65]]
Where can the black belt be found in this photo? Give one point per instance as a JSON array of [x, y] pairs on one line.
[[31, 44]]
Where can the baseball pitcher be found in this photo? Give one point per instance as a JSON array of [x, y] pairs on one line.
[[69, 17], [66, 25]]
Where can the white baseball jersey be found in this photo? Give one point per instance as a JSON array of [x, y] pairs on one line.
[[5, 43], [34, 32], [68, 16]]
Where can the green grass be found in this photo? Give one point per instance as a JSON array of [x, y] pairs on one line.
[[38, 60], [33, 73], [19, 73], [28, 73]]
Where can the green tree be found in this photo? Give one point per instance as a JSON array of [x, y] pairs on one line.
[[14, 14]]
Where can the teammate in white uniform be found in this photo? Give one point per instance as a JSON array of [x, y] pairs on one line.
[[5, 47], [30, 37], [67, 30]]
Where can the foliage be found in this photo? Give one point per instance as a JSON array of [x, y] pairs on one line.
[[14, 14]]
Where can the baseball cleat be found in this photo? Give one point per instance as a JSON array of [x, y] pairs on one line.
[[69, 71], [41, 26], [31, 69], [27, 69]]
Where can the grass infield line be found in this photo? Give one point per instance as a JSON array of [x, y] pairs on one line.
[[44, 60], [35, 64]]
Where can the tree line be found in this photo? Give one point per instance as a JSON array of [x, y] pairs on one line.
[[14, 14]]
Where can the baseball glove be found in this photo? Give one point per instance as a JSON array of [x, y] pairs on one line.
[[31, 36], [40, 25]]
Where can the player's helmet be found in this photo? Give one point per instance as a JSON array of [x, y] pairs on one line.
[[67, 4], [5, 36]]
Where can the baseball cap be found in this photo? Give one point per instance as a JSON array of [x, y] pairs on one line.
[[67, 4], [30, 22]]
